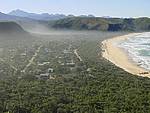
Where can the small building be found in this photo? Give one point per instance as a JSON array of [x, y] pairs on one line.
[[66, 51], [50, 70], [62, 64], [51, 77], [44, 63], [43, 76], [72, 64], [23, 54], [59, 61], [1, 71], [88, 70], [144, 73], [46, 50]]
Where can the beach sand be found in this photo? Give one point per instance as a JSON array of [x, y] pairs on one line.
[[120, 57]]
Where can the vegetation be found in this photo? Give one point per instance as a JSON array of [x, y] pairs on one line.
[[99, 87], [103, 24], [9, 27]]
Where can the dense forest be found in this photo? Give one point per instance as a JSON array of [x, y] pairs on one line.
[[103, 24], [104, 88]]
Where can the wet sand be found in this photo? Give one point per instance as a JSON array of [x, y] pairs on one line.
[[119, 56]]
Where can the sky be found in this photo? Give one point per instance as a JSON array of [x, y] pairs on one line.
[[114, 8]]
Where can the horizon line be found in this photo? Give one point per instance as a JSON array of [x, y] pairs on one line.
[[104, 16]]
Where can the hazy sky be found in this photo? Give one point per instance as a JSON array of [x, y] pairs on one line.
[[121, 8]]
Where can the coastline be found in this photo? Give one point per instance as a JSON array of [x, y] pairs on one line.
[[119, 56]]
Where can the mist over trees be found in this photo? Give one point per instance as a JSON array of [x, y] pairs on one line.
[[42, 73]]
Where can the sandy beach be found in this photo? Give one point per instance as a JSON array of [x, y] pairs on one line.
[[120, 58]]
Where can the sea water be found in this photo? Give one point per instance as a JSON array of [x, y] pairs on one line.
[[138, 49]]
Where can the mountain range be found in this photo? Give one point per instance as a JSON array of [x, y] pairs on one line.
[[42, 16], [30, 21], [26, 23], [4, 17]]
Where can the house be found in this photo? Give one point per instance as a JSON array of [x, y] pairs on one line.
[[44, 63], [66, 51], [62, 64], [59, 61], [51, 77], [72, 64], [45, 76], [50, 70], [88, 70], [144, 73], [23, 54]]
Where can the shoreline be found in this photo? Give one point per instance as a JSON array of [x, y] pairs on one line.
[[120, 57]]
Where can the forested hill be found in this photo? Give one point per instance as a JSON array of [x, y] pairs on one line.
[[11, 28], [103, 24], [13, 31]]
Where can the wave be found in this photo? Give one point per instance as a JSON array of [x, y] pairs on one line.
[[138, 49]]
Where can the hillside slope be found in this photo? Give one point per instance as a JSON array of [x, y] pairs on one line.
[[26, 23], [12, 30], [103, 24], [11, 27]]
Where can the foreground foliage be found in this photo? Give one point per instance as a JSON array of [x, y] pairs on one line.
[[104, 89]]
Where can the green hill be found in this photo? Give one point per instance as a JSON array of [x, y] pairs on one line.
[[11, 28], [103, 24]]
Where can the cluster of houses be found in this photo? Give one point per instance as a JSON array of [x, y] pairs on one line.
[[64, 59], [47, 75]]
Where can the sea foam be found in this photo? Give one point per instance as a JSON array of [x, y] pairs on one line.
[[138, 49]]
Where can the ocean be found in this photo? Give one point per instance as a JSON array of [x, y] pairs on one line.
[[138, 49]]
